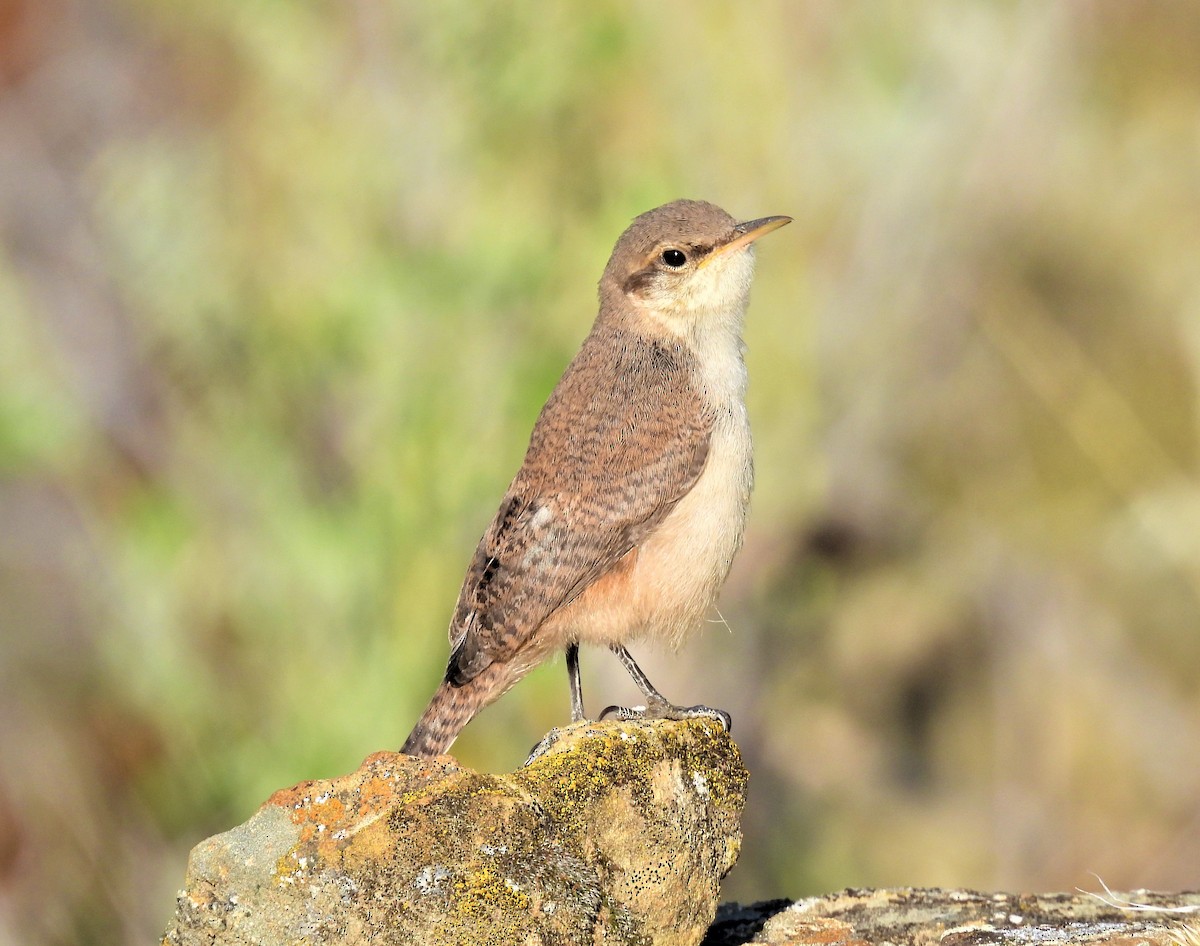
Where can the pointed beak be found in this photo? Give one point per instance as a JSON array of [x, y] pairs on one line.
[[746, 233]]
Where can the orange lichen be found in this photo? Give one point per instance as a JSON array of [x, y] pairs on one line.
[[290, 797], [375, 795]]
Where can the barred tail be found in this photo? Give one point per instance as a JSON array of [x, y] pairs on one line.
[[452, 707]]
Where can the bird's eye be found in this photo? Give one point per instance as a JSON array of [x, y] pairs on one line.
[[674, 258]]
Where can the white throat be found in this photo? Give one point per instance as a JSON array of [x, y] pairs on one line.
[[708, 318]]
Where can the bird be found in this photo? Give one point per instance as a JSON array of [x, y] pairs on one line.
[[623, 521]]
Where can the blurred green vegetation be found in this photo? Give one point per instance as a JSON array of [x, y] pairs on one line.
[[283, 287]]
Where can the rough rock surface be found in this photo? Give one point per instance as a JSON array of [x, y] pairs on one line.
[[962, 918], [619, 833]]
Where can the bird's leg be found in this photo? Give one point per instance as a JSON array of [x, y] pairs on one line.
[[658, 706], [639, 676], [576, 704], [576, 683]]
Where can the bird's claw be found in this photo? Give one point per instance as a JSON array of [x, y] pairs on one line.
[[544, 745], [661, 709]]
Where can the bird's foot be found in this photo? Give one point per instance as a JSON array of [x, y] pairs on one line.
[[661, 709], [655, 709], [544, 745]]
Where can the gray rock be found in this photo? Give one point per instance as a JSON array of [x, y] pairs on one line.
[[924, 917]]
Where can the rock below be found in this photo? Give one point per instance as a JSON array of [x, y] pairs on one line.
[[930, 917], [619, 833]]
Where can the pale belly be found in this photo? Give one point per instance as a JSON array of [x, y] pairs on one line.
[[669, 584]]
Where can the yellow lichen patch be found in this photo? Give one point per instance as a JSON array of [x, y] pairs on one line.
[[569, 782], [286, 867], [485, 790], [421, 797], [483, 891]]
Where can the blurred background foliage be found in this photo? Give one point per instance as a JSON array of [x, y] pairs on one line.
[[284, 285]]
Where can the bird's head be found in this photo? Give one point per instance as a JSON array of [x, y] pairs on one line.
[[686, 266]]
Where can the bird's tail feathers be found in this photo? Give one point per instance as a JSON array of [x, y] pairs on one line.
[[452, 707]]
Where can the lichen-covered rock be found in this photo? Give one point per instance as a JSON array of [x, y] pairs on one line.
[[619, 833], [931, 917]]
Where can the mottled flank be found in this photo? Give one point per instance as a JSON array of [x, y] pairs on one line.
[[618, 833], [916, 917], [622, 439]]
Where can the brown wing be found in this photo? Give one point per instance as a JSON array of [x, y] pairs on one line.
[[622, 439]]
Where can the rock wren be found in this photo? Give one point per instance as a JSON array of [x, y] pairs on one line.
[[623, 520]]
